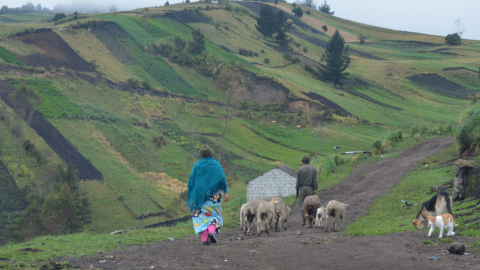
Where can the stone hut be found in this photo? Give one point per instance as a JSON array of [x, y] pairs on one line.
[[279, 181]]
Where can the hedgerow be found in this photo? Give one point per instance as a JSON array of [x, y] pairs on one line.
[[53, 102], [10, 57]]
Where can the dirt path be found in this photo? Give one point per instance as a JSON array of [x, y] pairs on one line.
[[318, 25], [308, 248]]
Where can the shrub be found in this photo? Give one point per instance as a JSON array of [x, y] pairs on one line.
[[377, 147], [308, 12], [468, 133], [294, 5], [448, 129], [134, 83], [58, 16], [414, 131], [226, 27], [250, 53], [263, 51], [146, 85], [296, 60], [423, 131], [266, 60], [298, 12], [305, 49], [243, 52], [288, 56], [255, 54], [453, 39], [327, 115], [121, 198]]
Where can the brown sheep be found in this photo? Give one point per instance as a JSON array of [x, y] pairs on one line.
[[265, 213], [337, 211], [282, 213], [310, 206], [250, 215]]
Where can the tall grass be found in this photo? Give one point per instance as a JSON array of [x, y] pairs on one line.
[[327, 166], [386, 142], [469, 132]]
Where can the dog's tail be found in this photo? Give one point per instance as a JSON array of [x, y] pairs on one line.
[[449, 203]]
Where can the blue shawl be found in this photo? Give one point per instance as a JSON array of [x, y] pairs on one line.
[[206, 179]]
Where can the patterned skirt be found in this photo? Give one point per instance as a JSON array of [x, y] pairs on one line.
[[209, 214]]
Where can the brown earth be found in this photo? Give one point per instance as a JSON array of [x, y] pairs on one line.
[[318, 25], [52, 51], [301, 248]]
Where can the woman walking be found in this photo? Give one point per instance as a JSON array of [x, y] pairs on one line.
[[205, 186]]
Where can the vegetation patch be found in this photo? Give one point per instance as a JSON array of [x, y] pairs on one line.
[[10, 57], [53, 102], [11, 198]]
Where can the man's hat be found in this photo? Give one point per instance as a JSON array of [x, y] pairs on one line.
[[306, 159], [206, 151]]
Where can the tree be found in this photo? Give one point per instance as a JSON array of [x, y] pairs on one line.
[[29, 7], [276, 2], [266, 21], [474, 99], [325, 8], [4, 10], [453, 39], [113, 9], [337, 60], [167, 4], [228, 81], [187, 1], [309, 3], [281, 36], [39, 7], [298, 12], [58, 16], [22, 115], [362, 38], [197, 45], [324, 28]]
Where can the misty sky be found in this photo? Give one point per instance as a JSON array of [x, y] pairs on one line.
[[435, 17]]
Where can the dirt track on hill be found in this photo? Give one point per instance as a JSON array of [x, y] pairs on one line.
[[299, 247]]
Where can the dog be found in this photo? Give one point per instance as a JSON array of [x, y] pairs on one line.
[[434, 207]]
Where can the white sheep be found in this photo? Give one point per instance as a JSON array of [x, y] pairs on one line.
[[265, 215], [282, 213], [310, 206], [320, 221], [250, 215], [242, 210], [337, 211]]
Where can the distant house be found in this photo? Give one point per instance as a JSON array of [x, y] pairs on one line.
[[279, 181], [214, 2]]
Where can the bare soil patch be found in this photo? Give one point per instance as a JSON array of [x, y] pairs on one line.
[[64, 149], [442, 86], [301, 248], [328, 103], [186, 16], [52, 51]]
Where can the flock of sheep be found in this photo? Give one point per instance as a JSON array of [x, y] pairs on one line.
[[264, 214]]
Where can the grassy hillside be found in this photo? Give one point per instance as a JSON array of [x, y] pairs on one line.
[[112, 121]]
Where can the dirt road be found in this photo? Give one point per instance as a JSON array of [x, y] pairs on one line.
[[299, 247]]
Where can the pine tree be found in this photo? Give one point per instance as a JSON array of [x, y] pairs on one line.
[[266, 21], [337, 60]]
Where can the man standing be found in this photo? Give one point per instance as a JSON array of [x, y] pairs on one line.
[[307, 181]]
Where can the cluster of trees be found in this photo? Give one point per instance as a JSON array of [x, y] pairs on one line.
[[56, 205], [453, 39], [274, 24], [27, 8], [325, 8]]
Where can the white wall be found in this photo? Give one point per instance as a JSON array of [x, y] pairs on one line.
[[271, 184]]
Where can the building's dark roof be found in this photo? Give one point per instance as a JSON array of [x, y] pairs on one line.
[[288, 170], [284, 168]]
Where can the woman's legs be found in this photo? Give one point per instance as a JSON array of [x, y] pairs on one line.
[[209, 235]]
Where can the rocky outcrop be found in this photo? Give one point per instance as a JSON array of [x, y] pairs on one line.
[[467, 181]]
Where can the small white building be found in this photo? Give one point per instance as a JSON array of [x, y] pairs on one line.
[[279, 181]]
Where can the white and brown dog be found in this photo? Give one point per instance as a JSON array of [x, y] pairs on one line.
[[434, 207]]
